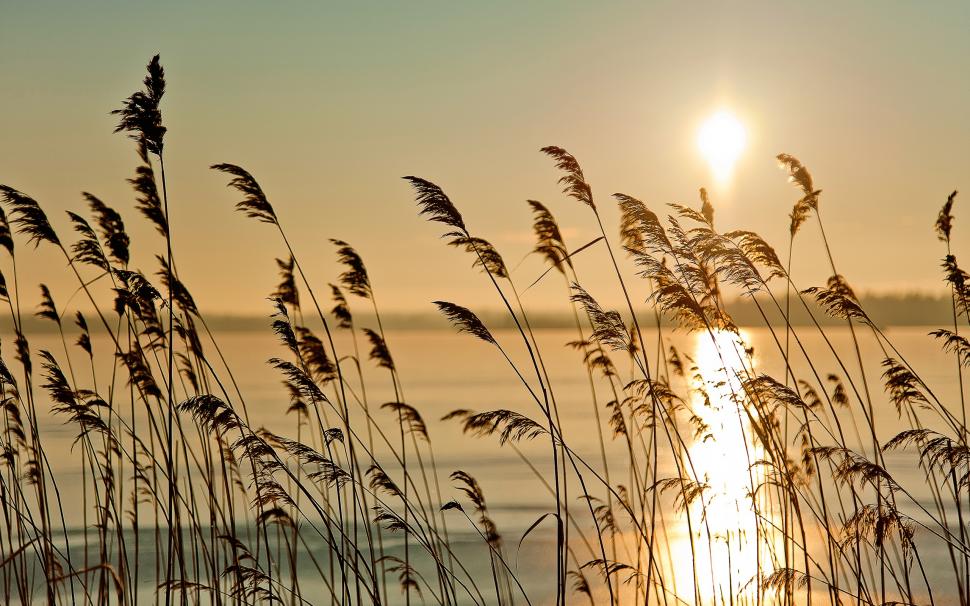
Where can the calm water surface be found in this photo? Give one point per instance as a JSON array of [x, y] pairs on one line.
[[442, 371]]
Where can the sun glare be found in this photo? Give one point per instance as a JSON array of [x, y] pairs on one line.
[[723, 460], [721, 139]]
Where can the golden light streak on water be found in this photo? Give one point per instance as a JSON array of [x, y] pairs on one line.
[[727, 548]]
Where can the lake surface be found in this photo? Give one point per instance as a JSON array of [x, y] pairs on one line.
[[441, 371]]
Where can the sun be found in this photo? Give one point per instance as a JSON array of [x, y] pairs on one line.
[[721, 139]]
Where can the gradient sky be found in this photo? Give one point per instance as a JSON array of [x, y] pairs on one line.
[[328, 104]]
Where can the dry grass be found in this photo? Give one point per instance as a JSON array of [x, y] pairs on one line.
[[170, 458]]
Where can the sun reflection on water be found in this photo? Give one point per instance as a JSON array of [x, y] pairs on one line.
[[727, 547]]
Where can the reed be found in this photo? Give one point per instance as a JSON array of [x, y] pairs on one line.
[[708, 480]]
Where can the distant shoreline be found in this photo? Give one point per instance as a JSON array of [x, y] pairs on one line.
[[885, 310]]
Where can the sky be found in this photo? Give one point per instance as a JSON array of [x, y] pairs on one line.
[[329, 104]]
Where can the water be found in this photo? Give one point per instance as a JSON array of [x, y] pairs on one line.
[[442, 372]]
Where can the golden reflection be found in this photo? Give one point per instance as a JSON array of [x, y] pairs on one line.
[[727, 545]]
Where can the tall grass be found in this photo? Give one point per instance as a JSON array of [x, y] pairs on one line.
[[711, 482]]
